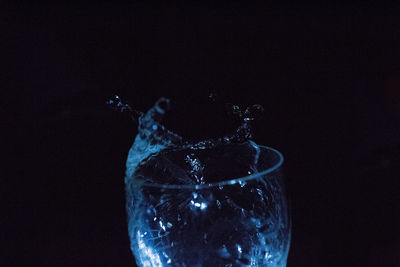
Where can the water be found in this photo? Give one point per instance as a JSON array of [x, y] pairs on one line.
[[157, 148], [192, 212]]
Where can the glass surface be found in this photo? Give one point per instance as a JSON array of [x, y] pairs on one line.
[[227, 221]]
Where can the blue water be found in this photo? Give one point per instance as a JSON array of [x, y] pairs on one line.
[[194, 226], [153, 139]]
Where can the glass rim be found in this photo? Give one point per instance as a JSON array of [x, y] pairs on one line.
[[223, 182]]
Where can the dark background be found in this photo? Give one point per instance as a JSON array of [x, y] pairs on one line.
[[328, 78]]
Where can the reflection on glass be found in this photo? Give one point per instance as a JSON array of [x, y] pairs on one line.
[[214, 203], [231, 222]]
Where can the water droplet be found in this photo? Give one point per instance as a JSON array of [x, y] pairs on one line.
[[161, 225], [254, 112], [116, 103], [239, 248], [162, 105], [260, 193], [236, 110], [218, 204], [224, 252], [212, 97]]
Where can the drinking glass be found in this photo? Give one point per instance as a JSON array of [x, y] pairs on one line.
[[234, 221]]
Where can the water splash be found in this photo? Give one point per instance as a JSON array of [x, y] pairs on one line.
[[116, 103], [154, 139], [152, 136], [207, 216], [244, 131]]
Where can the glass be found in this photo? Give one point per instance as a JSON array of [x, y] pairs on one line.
[[231, 222]]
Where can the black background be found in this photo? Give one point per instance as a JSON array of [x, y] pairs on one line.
[[328, 78]]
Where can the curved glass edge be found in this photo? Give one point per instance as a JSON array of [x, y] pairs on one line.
[[222, 183]]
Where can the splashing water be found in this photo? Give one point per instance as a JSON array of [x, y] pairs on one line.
[[226, 221], [153, 137], [155, 144]]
